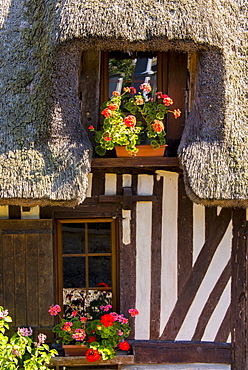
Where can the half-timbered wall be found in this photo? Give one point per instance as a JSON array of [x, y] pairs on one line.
[[176, 241], [175, 264]]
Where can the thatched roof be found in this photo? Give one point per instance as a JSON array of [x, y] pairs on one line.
[[44, 152], [44, 148]]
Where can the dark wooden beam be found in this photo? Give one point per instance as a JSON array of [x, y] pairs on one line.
[[185, 235], [159, 352], [239, 327], [120, 198], [148, 162]]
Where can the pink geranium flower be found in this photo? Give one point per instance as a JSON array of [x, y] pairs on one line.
[[133, 312], [54, 310]]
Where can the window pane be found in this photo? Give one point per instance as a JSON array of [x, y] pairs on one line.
[[99, 271], [131, 69], [73, 236], [74, 272], [99, 236]]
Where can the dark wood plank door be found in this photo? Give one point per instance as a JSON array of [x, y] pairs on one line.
[[26, 272]]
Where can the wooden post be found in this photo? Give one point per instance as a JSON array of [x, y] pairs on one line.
[[239, 291]]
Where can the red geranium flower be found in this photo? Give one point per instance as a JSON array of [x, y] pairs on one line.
[[103, 285], [176, 113], [91, 127], [107, 320], [167, 100], [106, 112], [159, 94], [132, 90], [92, 355], [67, 326], [107, 138], [113, 106], [158, 126], [146, 87], [91, 339], [130, 121], [124, 346]]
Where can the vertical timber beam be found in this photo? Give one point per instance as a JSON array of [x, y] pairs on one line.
[[239, 291], [89, 88]]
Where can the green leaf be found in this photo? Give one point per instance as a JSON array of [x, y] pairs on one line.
[[99, 150]]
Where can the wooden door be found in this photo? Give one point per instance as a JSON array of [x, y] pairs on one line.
[[26, 272]]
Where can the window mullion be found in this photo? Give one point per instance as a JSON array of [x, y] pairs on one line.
[[86, 258]]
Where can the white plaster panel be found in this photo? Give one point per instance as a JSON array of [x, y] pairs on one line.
[[89, 189], [198, 229], [126, 228], [169, 245], [126, 180], [110, 184], [33, 214], [145, 185], [218, 263], [143, 268], [4, 212], [218, 314]]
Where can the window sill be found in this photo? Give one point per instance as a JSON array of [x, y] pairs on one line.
[[119, 359], [137, 162]]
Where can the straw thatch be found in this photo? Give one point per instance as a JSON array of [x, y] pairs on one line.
[[44, 150]]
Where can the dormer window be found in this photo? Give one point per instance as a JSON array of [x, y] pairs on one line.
[[106, 71]]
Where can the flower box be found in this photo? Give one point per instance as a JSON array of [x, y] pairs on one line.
[[75, 349], [144, 151], [133, 118]]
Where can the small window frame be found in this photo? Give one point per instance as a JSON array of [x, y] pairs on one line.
[[114, 256]]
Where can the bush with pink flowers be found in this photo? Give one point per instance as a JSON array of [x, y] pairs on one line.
[[20, 351]]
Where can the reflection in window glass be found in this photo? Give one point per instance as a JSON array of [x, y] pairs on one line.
[[73, 238], [85, 301], [131, 69]]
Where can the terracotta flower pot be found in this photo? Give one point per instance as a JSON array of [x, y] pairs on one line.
[[75, 349], [144, 151]]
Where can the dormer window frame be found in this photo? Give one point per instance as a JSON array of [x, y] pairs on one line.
[[173, 78]]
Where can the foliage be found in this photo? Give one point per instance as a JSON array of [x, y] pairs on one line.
[[103, 336], [131, 115], [20, 351], [125, 67]]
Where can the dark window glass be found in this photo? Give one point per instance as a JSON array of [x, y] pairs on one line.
[[99, 237], [73, 238], [99, 271], [74, 272]]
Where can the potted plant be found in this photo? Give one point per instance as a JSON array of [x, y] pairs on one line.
[[102, 336], [20, 351], [131, 117]]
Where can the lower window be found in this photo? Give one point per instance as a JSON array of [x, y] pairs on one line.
[[87, 264]]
